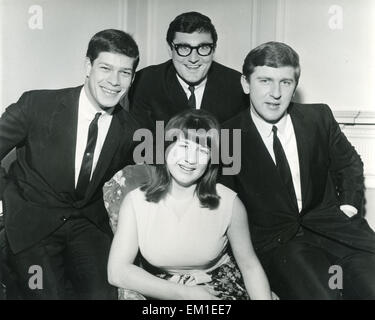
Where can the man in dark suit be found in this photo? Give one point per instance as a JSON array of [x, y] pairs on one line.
[[191, 79], [69, 142], [302, 184]]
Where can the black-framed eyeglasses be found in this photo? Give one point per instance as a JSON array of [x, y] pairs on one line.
[[183, 50]]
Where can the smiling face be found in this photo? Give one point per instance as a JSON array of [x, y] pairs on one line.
[[108, 78], [271, 91], [193, 68], [187, 161]]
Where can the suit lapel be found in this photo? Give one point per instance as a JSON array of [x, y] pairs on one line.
[[303, 138], [209, 102], [175, 92], [255, 142], [62, 136], [212, 99], [255, 158]]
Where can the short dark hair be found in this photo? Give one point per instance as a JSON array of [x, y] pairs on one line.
[[200, 122], [190, 22], [114, 41], [271, 54]]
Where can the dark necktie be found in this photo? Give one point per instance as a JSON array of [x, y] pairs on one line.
[[86, 166], [192, 102], [282, 165]]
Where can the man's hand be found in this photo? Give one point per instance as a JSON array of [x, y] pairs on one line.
[[349, 210]]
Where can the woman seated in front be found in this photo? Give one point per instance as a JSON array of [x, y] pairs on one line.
[[183, 222]]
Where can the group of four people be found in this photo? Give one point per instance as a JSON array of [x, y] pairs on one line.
[[185, 233]]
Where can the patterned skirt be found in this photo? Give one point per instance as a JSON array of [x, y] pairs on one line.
[[225, 279]]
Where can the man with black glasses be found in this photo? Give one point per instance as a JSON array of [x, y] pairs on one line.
[[191, 79]]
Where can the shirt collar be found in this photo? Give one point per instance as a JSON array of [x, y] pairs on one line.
[[265, 128], [185, 86]]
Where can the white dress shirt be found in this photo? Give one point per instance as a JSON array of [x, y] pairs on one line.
[[198, 90], [86, 113], [287, 137]]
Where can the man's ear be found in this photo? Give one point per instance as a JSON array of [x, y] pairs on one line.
[[169, 48], [245, 85], [88, 66]]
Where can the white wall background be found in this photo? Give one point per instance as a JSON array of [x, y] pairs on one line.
[[337, 57], [335, 40], [53, 56], [232, 20]]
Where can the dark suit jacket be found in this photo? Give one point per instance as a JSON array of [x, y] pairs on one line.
[[331, 174], [39, 190], [156, 94]]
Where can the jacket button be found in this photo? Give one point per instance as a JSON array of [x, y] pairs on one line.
[[63, 218], [279, 240]]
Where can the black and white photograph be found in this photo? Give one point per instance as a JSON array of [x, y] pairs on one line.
[[158, 150]]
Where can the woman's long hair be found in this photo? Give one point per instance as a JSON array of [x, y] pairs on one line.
[[198, 126]]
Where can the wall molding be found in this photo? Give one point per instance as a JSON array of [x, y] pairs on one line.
[[151, 41], [280, 20], [352, 117], [123, 14], [359, 128], [254, 23]]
